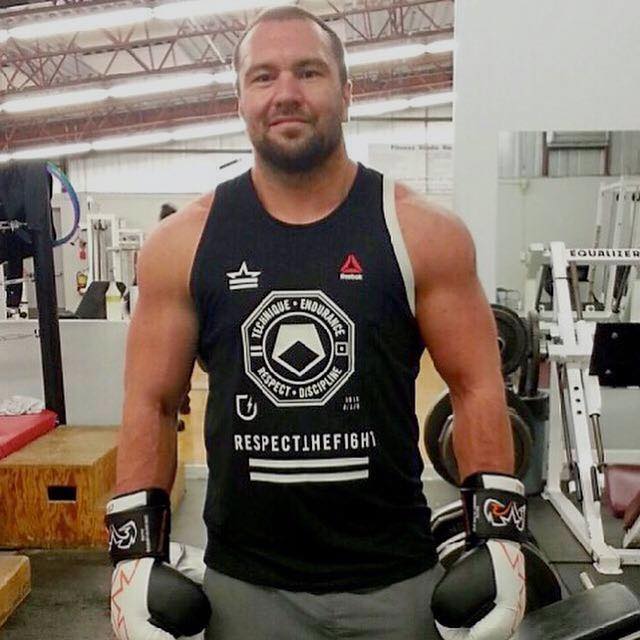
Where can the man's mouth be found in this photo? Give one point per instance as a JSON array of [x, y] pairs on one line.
[[284, 121]]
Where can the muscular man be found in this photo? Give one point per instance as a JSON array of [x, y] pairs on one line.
[[309, 287]]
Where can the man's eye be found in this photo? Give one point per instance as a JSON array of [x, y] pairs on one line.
[[262, 77], [310, 73]]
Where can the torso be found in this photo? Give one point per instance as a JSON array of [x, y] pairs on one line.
[[310, 339]]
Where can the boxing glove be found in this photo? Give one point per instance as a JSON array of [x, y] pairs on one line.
[[155, 588], [482, 595], [449, 532]]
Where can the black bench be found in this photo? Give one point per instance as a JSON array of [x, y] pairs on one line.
[[607, 612]]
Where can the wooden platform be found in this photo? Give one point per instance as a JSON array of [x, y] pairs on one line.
[[55, 490], [50, 489], [15, 583]]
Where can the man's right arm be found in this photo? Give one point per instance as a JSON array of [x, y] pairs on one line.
[[161, 348]]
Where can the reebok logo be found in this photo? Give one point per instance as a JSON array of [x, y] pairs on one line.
[[351, 269]]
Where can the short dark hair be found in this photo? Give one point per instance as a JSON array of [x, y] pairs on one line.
[[288, 12], [166, 210]]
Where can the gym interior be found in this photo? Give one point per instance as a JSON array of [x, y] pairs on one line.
[[518, 116]]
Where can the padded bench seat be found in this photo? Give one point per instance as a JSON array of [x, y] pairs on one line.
[[607, 612]]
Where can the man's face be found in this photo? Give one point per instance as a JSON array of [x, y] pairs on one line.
[[290, 95]]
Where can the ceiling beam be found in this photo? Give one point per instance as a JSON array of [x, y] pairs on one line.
[[133, 119]]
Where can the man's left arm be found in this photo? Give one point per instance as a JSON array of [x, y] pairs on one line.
[[459, 331]]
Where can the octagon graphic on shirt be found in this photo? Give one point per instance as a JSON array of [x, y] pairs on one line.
[[298, 347]]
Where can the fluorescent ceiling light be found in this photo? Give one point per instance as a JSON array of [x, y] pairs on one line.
[[53, 100], [441, 46], [160, 85], [385, 54], [208, 130], [147, 86], [51, 151], [89, 22], [124, 17], [399, 104], [136, 140], [216, 128], [190, 8], [377, 107], [225, 77], [432, 99]]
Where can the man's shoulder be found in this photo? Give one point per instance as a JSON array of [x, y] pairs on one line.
[[436, 238], [170, 248], [194, 212], [425, 215], [186, 224]]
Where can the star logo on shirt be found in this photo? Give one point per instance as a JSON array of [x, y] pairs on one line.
[[243, 278]]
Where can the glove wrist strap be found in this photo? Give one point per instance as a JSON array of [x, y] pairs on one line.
[[139, 525], [494, 507]]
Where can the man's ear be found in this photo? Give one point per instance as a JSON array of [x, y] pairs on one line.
[[240, 110], [347, 95]]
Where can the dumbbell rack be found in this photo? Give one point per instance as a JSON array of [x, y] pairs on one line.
[[575, 404]]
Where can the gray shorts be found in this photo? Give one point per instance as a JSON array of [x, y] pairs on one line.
[[243, 611]]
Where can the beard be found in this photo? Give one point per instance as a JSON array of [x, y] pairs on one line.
[[301, 156]]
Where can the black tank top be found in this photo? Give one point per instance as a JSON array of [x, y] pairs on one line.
[[309, 337]]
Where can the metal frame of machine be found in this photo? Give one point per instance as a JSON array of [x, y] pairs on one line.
[[575, 402], [112, 249], [620, 228]]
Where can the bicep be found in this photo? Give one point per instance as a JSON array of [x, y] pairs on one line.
[[162, 339], [454, 316], [459, 332]]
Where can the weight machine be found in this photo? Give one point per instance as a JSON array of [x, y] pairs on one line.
[[575, 398], [608, 290], [112, 249]]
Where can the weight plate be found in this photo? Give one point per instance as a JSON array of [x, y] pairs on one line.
[[533, 362], [435, 424], [530, 371], [439, 437], [512, 338]]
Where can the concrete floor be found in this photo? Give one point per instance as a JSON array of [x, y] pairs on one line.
[[70, 589]]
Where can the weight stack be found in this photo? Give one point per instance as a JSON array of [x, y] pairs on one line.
[[534, 478]]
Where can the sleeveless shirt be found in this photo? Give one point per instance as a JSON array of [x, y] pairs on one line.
[[310, 341]]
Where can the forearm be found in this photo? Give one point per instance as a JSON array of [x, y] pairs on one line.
[[147, 449], [482, 437]]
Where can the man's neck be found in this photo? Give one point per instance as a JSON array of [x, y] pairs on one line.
[[305, 197]]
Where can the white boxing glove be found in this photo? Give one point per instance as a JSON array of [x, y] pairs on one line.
[[188, 560], [155, 588], [482, 596], [151, 600]]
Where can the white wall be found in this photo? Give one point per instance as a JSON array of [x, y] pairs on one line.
[[183, 171], [93, 357], [541, 210], [190, 168], [523, 66]]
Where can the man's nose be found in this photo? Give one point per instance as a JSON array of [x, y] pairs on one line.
[[287, 90]]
